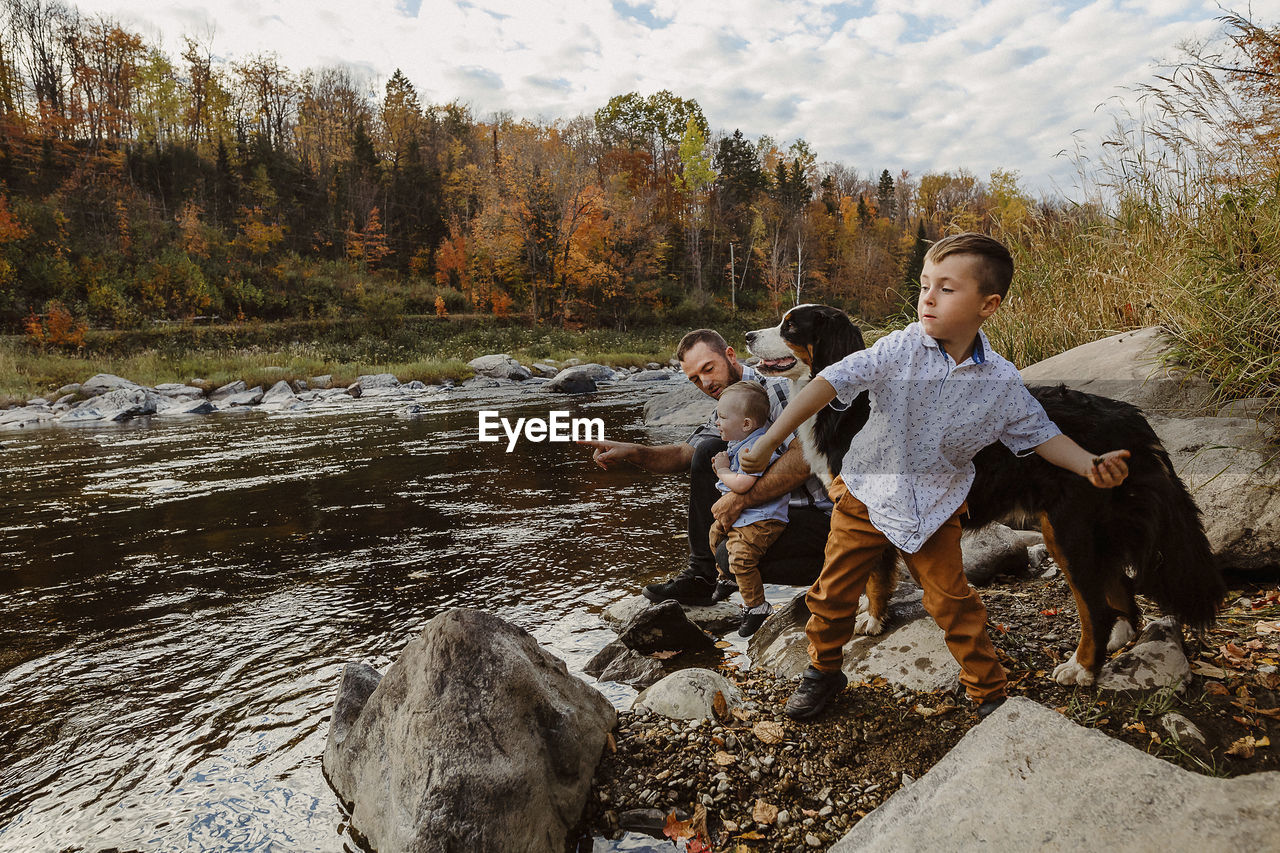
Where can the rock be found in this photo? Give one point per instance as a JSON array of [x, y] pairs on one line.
[[565, 383], [252, 397], [279, 394], [1027, 778], [717, 619], [546, 371], [688, 694], [591, 370], [354, 390], [475, 739], [1156, 660], [37, 401], [1229, 465], [653, 365], [104, 382], [377, 385], [500, 366], [1250, 407], [359, 680], [663, 627], [481, 382], [617, 663], [229, 390], [417, 385], [648, 821], [649, 376], [26, 417], [683, 406], [1128, 367], [992, 551], [320, 383], [116, 405], [70, 388], [178, 391], [180, 406], [300, 385]]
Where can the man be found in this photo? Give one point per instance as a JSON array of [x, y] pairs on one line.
[[796, 557]]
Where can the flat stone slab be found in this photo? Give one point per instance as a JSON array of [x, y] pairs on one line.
[[1027, 778]]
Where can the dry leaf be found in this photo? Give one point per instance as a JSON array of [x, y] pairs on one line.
[[1208, 670], [676, 829], [723, 644], [752, 836], [729, 825], [668, 655], [742, 714], [723, 758], [611, 743], [1243, 748], [699, 824], [1262, 741], [1272, 627], [768, 731], [1216, 688], [764, 812], [719, 706]]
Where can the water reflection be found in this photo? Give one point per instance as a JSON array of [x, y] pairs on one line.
[[177, 599]]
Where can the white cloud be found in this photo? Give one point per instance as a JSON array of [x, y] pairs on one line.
[[944, 84]]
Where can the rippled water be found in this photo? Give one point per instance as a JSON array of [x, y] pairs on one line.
[[178, 599]]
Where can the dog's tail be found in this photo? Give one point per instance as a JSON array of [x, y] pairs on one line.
[[1178, 569]]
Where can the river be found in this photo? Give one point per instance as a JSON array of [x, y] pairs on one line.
[[178, 598]]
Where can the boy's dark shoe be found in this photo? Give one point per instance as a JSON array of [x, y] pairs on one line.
[[687, 588], [724, 589], [815, 690], [986, 708], [753, 618]]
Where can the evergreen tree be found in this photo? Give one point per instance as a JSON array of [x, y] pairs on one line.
[[885, 196], [915, 266]]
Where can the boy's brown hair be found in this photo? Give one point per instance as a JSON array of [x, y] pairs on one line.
[[701, 336], [996, 264], [754, 402]]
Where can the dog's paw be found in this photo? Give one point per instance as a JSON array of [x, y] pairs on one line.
[[866, 623], [1072, 672], [1121, 633]]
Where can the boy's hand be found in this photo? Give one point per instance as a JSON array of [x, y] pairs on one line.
[[720, 460], [1109, 470], [755, 459]]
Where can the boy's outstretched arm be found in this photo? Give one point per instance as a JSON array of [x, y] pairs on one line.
[[1106, 471], [804, 405]]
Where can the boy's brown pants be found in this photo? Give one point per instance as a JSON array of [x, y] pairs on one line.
[[854, 547], [747, 545]]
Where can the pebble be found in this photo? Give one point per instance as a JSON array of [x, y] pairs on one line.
[[812, 840]]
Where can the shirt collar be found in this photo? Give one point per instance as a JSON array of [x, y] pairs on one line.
[[980, 346], [735, 445]]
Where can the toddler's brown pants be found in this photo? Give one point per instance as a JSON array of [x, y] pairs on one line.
[[747, 545], [854, 547]]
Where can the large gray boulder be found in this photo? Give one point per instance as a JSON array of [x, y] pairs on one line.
[[1129, 366], [104, 382], [663, 627], [474, 739], [716, 619], [280, 394], [500, 366], [231, 389], [1230, 467], [26, 417], [115, 405], [1029, 779], [991, 551], [685, 405]]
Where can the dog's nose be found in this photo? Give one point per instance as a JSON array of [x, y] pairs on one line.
[[751, 336]]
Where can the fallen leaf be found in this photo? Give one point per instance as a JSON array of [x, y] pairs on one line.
[[1262, 741], [1233, 653], [1270, 712], [668, 655], [723, 758], [697, 846], [1216, 688], [809, 812], [719, 706], [764, 812], [1208, 670], [1272, 627], [611, 743], [1053, 611], [1243, 748], [676, 829], [729, 825], [723, 644], [752, 836], [699, 826], [768, 731], [1136, 727], [742, 714]]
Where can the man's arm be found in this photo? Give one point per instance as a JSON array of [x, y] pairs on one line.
[[1106, 471], [780, 478], [658, 459]]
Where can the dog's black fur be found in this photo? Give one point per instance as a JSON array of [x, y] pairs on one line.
[[1149, 524]]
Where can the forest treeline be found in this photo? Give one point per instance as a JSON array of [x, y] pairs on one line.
[[139, 186]]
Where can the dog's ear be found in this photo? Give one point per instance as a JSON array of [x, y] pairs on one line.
[[834, 337]]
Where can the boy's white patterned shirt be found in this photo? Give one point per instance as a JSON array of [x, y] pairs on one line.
[[912, 464]]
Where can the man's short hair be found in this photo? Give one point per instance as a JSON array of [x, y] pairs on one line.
[[995, 263], [754, 402], [710, 337]]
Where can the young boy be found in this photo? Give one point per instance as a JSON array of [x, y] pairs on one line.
[[742, 414], [938, 396]]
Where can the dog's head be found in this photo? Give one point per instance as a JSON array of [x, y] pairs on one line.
[[809, 338]]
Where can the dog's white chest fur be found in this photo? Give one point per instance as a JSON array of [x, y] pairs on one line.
[[809, 442]]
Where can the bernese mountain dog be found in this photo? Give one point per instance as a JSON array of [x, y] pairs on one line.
[[1143, 536]]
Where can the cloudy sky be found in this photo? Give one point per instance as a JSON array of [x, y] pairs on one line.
[[977, 84]]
